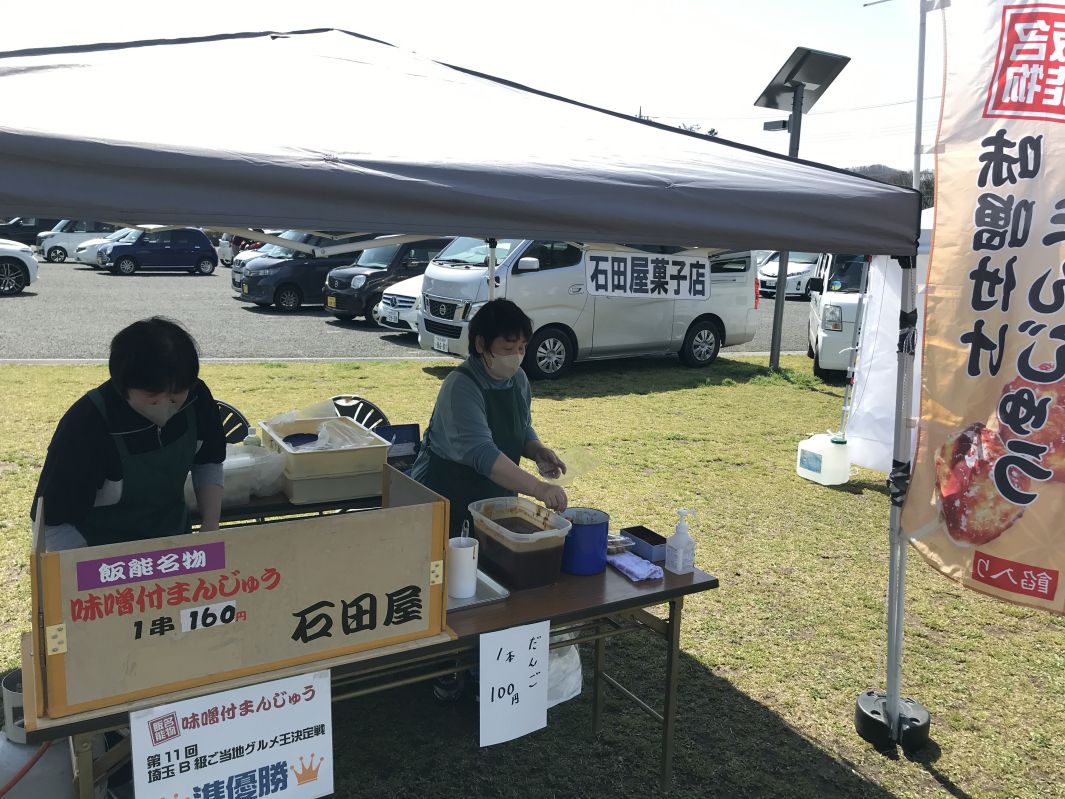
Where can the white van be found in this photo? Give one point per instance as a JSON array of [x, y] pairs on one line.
[[594, 301], [835, 290], [63, 240]]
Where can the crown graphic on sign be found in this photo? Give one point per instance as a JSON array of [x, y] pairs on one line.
[[307, 773]]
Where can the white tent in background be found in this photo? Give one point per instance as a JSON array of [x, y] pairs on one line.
[[872, 419]]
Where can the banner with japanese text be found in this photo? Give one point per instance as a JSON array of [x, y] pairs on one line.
[[126, 622], [273, 739], [987, 497]]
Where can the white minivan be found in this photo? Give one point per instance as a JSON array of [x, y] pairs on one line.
[[62, 241], [835, 292], [594, 301]]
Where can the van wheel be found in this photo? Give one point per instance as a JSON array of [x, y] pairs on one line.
[[126, 266], [702, 344], [821, 373], [288, 298], [809, 350], [57, 255], [549, 354]]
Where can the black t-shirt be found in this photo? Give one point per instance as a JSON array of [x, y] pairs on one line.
[[82, 456]]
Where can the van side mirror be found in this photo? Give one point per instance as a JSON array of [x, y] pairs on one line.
[[528, 265], [816, 284]]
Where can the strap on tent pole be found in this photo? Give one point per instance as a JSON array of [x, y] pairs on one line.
[[491, 268], [886, 719]]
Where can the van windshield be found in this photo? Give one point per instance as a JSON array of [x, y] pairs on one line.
[[793, 258], [378, 257], [280, 251], [846, 274], [466, 251]]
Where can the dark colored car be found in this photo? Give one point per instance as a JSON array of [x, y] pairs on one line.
[[287, 278], [24, 229], [355, 290], [182, 248]]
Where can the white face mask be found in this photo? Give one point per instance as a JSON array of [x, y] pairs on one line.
[[501, 367], [158, 414]]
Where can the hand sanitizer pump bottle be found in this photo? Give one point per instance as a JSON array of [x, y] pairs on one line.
[[680, 549]]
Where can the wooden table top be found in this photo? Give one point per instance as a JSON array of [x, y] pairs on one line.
[[573, 598]]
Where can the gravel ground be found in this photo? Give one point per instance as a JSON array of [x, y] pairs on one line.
[[73, 311]]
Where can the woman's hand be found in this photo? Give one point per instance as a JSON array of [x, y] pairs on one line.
[[549, 464], [552, 496]]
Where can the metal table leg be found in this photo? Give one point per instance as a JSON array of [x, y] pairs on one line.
[[597, 704], [81, 755], [669, 713]]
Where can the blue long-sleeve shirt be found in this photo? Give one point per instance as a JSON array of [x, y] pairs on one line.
[[458, 430]]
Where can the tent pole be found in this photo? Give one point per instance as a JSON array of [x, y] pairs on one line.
[[780, 297], [885, 718], [491, 268]]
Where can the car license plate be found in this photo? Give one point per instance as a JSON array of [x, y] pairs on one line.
[[244, 288], [769, 284], [331, 302], [393, 317], [440, 343]]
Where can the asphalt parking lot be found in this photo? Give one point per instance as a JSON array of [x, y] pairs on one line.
[[73, 311]]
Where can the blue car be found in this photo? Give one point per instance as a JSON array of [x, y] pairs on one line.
[[182, 248]]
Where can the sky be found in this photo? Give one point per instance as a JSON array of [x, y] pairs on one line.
[[701, 62]]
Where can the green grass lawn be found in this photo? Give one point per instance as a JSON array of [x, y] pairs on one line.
[[772, 661]]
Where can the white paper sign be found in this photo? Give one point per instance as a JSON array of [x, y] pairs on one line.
[[266, 740], [634, 274], [514, 666]]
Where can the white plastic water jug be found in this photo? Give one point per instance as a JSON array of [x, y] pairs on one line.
[[824, 458]]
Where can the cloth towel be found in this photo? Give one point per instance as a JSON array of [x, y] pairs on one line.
[[634, 567]]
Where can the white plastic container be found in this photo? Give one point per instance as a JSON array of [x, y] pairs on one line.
[[825, 459], [308, 490], [680, 548], [360, 451]]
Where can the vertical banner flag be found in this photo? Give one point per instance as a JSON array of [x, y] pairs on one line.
[[987, 500]]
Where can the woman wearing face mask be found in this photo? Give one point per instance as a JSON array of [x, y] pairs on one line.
[[482, 424], [116, 466]]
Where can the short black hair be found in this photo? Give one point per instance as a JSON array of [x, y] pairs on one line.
[[499, 318], [153, 355]]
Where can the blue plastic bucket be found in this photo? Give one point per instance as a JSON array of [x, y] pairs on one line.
[[585, 549]]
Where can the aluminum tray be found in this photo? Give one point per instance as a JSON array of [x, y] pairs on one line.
[[488, 591]]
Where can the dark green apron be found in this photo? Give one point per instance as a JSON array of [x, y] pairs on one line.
[[505, 409], [152, 504]]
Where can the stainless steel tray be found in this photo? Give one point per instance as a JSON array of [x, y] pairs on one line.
[[488, 591]]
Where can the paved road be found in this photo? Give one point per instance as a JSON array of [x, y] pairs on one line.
[[73, 311]]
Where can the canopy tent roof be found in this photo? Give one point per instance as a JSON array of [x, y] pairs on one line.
[[331, 130]]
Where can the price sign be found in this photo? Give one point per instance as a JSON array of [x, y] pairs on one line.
[[514, 667]]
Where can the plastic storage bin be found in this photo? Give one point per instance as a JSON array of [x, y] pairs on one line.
[[646, 543], [519, 559], [309, 490], [362, 451]]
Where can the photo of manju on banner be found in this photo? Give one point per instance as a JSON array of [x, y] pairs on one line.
[[987, 498]]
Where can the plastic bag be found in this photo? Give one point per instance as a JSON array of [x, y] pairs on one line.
[[320, 410], [579, 462], [564, 676], [247, 472]]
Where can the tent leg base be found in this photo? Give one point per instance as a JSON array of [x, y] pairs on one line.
[[871, 722]]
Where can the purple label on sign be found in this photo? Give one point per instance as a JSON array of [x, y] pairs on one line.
[[140, 566]]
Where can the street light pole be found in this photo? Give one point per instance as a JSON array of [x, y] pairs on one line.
[[795, 129]]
